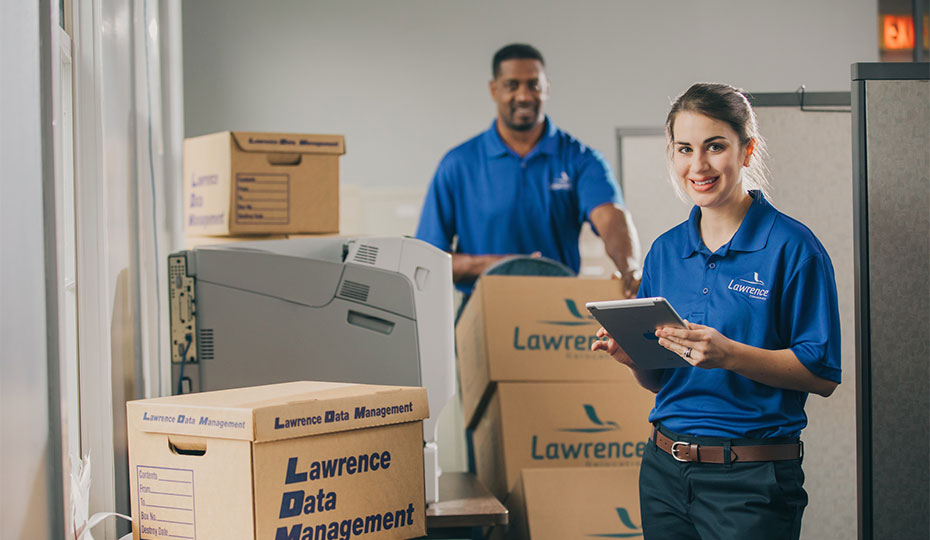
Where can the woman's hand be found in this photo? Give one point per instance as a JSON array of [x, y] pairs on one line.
[[611, 347], [650, 379], [704, 347], [701, 346]]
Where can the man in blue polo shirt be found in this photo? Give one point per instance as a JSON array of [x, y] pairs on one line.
[[524, 187]]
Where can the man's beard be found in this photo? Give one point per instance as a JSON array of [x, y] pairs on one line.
[[522, 126]]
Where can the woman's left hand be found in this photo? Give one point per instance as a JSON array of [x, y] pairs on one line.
[[701, 346]]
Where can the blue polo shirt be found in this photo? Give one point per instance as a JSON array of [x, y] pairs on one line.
[[499, 203], [771, 286]]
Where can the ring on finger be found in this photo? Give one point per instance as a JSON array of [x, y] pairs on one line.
[[688, 352]]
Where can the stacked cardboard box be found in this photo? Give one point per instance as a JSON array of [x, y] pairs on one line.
[[249, 183], [286, 461], [535, 396], [560, 504]]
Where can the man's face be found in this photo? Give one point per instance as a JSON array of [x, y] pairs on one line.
[[519, 90]]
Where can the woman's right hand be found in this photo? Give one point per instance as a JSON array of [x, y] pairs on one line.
[[611, 347], [650, 379]]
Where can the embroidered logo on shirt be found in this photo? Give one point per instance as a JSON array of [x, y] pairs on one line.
[[562, 182], [750, 285]]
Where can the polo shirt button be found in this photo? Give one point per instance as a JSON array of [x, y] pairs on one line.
[[712, 265], [706, 290]]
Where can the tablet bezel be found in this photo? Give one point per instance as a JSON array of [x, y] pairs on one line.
[[630, 321]]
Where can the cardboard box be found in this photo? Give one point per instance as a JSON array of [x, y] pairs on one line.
[[191, 242], [553, 425], [560, 504], [522, 328], [286, 462], [238, 182]]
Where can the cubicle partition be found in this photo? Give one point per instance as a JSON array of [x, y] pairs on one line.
[[891, 161]]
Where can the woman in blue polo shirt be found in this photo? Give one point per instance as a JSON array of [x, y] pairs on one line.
[[758, 292]]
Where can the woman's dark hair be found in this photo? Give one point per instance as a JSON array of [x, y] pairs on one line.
[[515, 51], [727, 104]]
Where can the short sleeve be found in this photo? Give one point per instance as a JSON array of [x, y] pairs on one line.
[[645, 285], [596, 184], [810, 317], [437, 219]]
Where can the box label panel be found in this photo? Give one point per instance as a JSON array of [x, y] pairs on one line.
[[166, 503], [366, 483], [262, 198]]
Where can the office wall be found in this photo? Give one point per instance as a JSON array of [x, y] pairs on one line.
[[811, 166], [406, 80], [30, 483]]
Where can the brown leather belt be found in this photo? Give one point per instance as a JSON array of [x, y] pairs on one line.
[[690, 452]]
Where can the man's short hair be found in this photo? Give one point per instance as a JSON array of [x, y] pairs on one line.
[[514, 51]]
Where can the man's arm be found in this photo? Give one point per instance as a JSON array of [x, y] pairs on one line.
[[468, 267], [616, 229]]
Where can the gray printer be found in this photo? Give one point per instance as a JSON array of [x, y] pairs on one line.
[[364, 310]]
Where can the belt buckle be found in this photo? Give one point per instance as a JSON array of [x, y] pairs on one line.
[[674, 451]]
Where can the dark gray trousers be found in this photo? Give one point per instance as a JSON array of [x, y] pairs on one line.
[[704, 501]]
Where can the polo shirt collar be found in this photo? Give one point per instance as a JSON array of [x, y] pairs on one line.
[[495, 146], [753, 232], [549, 144]]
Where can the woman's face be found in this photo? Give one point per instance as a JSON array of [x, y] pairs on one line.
[[707, 158]]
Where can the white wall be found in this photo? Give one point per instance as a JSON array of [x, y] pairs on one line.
[[30, 501], [123, 151], [406, 80]]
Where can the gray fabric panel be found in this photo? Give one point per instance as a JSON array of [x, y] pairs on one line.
[[898, 153], [811, 166]]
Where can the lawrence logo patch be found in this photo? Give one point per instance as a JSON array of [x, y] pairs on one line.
[[750, 285], [561, 183]]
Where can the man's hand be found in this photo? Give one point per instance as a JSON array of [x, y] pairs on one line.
[[615, 227], [630, 283]]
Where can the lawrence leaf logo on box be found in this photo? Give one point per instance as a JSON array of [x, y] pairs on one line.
[[632, 530], [577, 450], [551, 341], [598, 426]]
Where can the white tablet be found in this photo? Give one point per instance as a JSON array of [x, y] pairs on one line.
[[633, 324]]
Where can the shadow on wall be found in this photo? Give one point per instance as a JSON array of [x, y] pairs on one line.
[[125, 356]]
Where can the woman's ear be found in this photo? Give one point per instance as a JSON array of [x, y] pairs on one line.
[[750, 146]]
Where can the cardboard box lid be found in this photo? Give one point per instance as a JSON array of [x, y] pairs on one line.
[[257, 141], [279, 411]]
